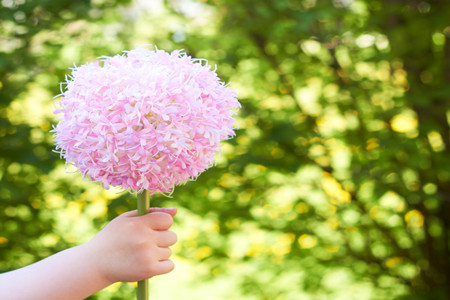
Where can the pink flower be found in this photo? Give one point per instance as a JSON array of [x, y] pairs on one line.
[[145, 120]]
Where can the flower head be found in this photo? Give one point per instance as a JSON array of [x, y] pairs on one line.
[[143, 120]]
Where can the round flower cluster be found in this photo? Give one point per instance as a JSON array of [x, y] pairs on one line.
[[144, 120]]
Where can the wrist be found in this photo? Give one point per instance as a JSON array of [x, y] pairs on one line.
[[93, 259]]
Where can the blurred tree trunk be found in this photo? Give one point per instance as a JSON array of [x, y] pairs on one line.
[[428, 76]]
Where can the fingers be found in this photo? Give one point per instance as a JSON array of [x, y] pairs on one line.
[[134, 213], [167, 238], [171, 211], [158, 220], [164, 253], [165, 266], [131, 213]]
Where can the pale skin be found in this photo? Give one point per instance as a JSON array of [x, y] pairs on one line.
[[130, 248]]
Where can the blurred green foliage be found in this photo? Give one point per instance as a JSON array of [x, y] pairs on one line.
[[337, 185]]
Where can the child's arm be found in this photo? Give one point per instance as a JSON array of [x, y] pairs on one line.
[[129, 248]]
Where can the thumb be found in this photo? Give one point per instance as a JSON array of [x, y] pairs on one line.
[[171, 211]]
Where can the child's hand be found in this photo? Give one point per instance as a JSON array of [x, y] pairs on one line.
[[133, 248]]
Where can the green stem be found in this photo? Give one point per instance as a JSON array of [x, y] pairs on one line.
[[143, 206]]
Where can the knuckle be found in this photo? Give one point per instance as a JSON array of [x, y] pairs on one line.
[[134, 227], [149, 262], [143, 243], [140, 247], [146, 260]]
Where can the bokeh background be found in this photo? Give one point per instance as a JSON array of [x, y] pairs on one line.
[[336, 186]]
